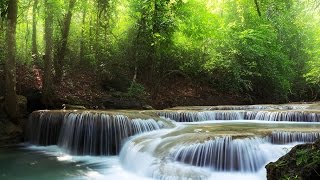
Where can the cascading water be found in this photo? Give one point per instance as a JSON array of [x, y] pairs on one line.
[[295, 116], [247, 107], [85, 132], [261, 107], [100, 134], [213, 149], [245, 155], [289, 137], [158, 154], [224, 154], [43, 128], [190, 116], [195, 116]]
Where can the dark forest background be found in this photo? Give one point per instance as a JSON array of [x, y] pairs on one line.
[[80, 51]]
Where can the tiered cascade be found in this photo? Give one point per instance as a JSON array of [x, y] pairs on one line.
[[161, 153], [238, 139], [85, 132]]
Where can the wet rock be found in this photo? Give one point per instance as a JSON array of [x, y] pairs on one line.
[[302, 162]]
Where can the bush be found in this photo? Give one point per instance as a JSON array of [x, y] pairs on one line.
[[137, 90]]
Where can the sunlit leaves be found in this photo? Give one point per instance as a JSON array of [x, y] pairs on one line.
[[223, 42]]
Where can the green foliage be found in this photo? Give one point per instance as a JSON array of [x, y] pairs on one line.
[[3, 9], [288, 177], [136, 90], [302, 157], [307, 157], [226, 44], [3, 15]]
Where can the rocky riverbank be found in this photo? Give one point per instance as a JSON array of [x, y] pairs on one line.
[[302, 162]]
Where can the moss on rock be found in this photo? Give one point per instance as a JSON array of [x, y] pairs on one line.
[[302, 162]]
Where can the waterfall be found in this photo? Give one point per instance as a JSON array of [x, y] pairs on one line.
[[193, 116], [294, 116], [261, 107], [244, 155], [224, 154], [289, 137], [194, 150], [43, 127], [142, 155], [163, 156], [85, 132], [100, 134], [247, 107]]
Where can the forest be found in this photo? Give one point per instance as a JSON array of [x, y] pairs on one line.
[[159, 89], [262, 51]]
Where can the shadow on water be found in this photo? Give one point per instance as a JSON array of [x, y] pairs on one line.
[[20, 162]]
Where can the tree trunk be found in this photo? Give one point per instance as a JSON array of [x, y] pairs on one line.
[[34, 32], [10, 70], [47, 79], [257, 7], [61, 52], [82, 36]]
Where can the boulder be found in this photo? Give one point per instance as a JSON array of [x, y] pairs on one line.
[[302, 162]]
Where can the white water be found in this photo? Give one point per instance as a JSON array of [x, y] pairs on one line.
[[155, 155], [283, 115], [85, 132], [141, 155], [141, 160], [104, 167]]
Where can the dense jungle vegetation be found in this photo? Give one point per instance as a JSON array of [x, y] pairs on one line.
[[266, 50]]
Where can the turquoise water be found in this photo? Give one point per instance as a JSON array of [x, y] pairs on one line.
[[25, 162], [139, 160], [18, 162]]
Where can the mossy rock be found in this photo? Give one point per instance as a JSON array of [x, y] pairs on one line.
[[302, 162]]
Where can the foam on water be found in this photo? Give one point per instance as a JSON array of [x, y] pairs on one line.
[[96, 167], [263, 115], [150, 155], [249, 138]]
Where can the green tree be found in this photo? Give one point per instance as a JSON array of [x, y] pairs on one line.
[[34, 31], [62, 45], [10, 70], [48, 57]]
